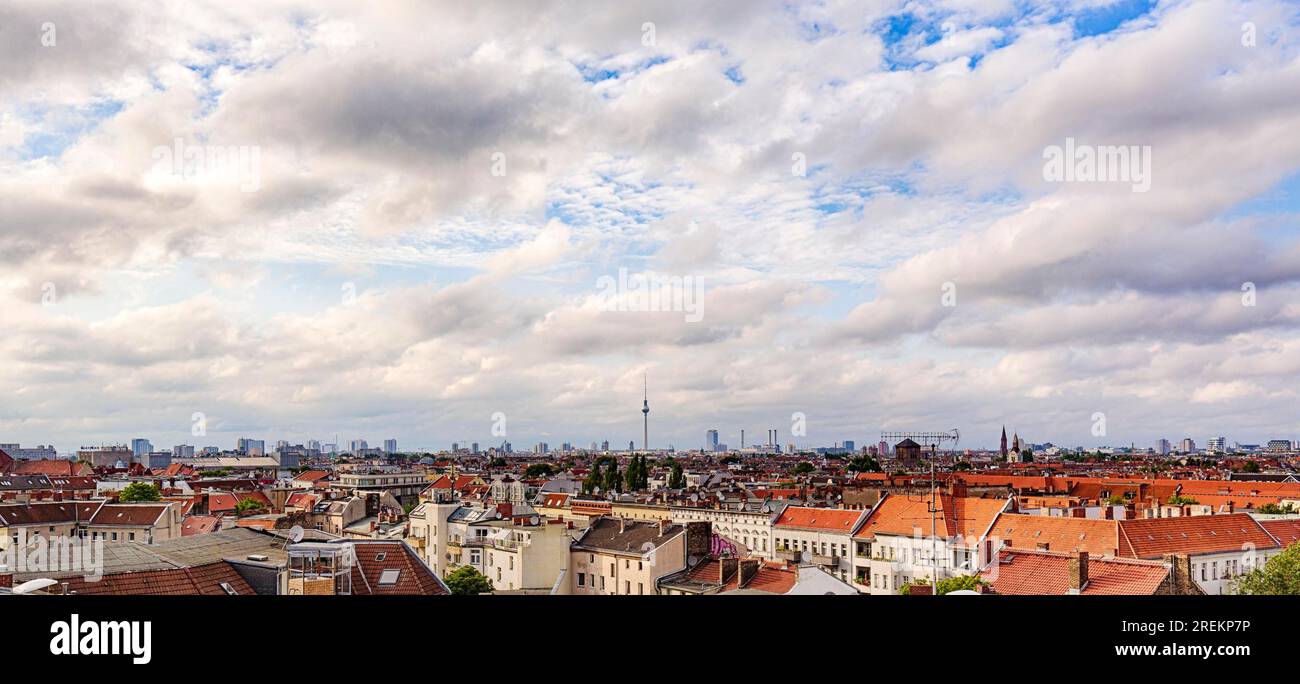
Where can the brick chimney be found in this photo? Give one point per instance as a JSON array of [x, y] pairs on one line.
[[1109, 512], [958, 488], [1079, 572], [747, 568], [1181, 580], [6, 579], [726, 568], [663, 526]]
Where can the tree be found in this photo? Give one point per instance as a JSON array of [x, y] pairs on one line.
[[1274, 509], [613, 481], [539, 470], [247, 505], [1180, 500], [864, 464], [729, 460], [1280, 576], [139, 491], [1250, 467], [592, 481], [466, 581], [676, 478], [951, 584], [803, 468]]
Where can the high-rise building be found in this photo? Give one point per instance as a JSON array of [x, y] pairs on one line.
[[1216, 445], [1162, 447], [473, 448], [36, 453], [106, 456], [1188, 446], [251, 447], [849, 445], [711, 440], [358, 445], [141, 447], [182, 451], [1280, 446], [390, 446]]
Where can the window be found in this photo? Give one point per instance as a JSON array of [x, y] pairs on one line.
[[388, 578], [582, 579], [640, 588]]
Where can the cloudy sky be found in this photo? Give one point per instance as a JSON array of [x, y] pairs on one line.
[[397, 220]]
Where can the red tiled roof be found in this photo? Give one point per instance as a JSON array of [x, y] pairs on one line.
[[1154, 537], [200, 580], [1044, 573], [907, 514], [1097, 537], [200, 524], [1286, 531], [828, 519], [134, 515], [45, 513], [301, 500], [312, 475], [413, 577], [770, 577], [50, 467], [555, 500]]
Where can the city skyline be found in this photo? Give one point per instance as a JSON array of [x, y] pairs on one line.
[[295, 220]]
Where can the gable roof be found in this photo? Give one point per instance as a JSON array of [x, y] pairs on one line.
[[200, 580], [824, 519], [1046, 573], [967, 517], [408, 575], [604, 534], [1286, 531], [1019, 531], [1197, 534], [200, 524], [129, 514]]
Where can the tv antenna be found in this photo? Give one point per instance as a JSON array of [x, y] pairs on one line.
[[930, 440]]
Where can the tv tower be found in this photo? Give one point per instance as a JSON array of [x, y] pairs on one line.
[[645, 415]]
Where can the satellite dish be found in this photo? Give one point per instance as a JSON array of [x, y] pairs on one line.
[[295, 533], [34, 585], [962, 592]]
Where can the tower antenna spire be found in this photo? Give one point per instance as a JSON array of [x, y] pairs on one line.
[[645, 412]]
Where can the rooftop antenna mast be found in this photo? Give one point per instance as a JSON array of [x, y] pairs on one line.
[[931, 440]]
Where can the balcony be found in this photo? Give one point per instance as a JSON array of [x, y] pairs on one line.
[[828, 561], [788, 554]]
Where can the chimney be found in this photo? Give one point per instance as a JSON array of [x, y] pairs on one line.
[[1079, 572], [1109, 512], [6, 578], [726, 568], [748, 567], [622, 524], [1078, 513], [958, 488], [663, 527], [1180, 574]]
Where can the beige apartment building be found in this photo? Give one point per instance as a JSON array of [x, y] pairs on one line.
[[622, 557]]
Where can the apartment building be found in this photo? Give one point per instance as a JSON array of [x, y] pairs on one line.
[[909, 538], [618, 556], [820, 536]]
